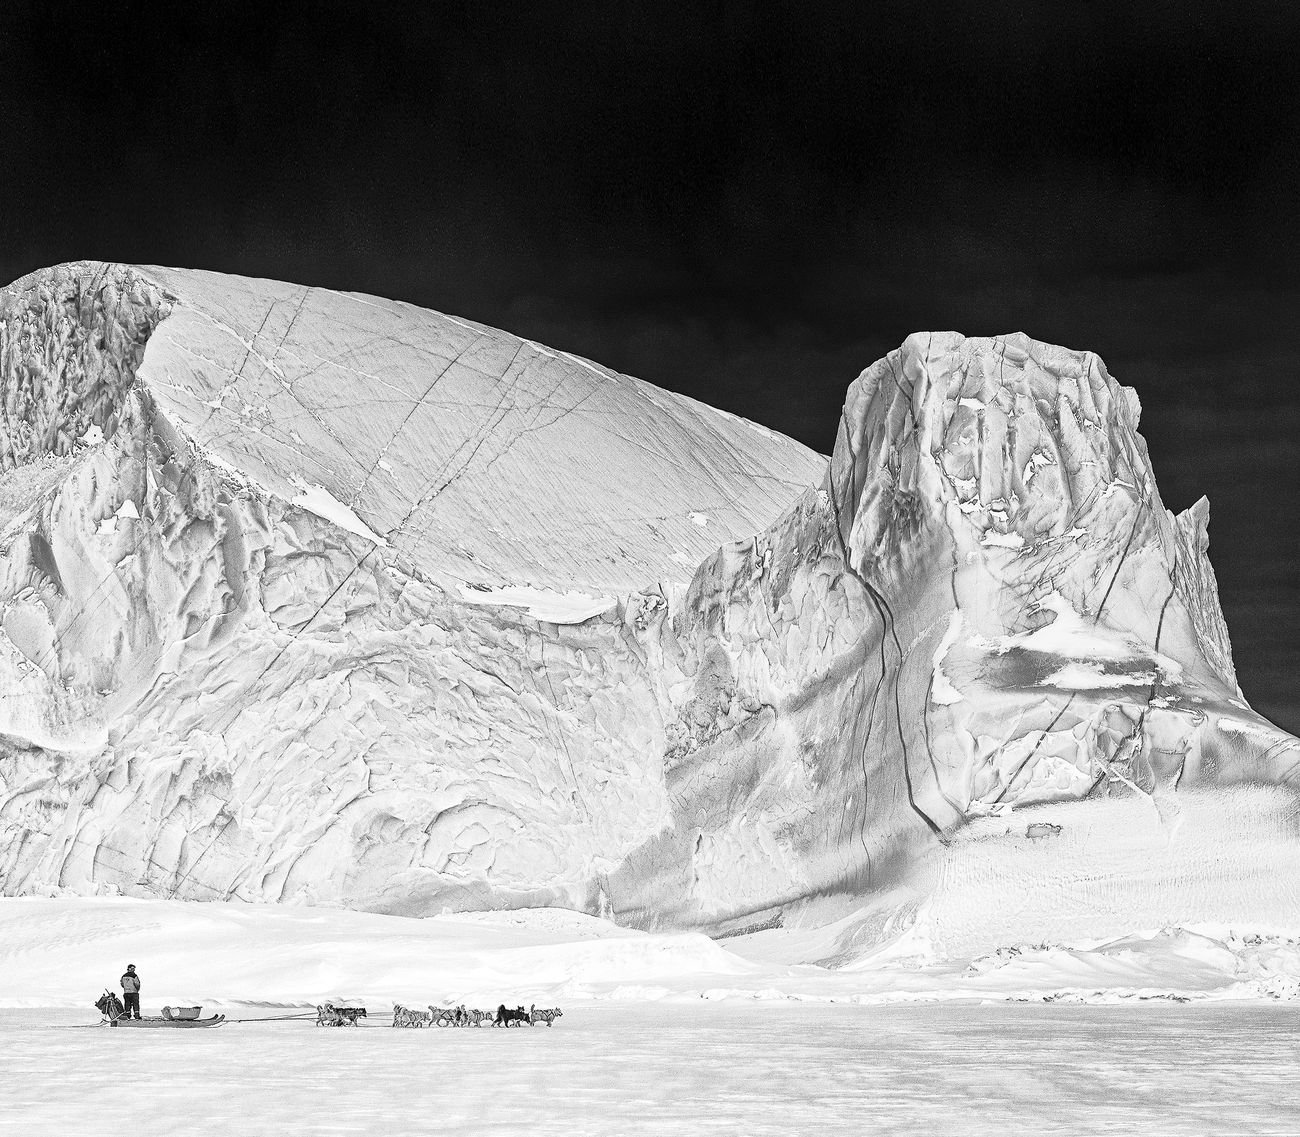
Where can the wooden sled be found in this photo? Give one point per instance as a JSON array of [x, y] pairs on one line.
[[182, 1024]]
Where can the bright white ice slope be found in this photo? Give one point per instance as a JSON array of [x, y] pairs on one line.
[[319, 598], [477, 456]]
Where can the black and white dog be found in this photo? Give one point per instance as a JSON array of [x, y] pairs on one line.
[[505, 1016]]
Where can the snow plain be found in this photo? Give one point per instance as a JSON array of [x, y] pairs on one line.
[[664, 1069], [661, 1034]]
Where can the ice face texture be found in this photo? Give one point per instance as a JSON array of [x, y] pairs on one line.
[[323, 598]]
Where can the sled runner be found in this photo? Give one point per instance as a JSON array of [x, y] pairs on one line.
[[184, 1024], [110, 1006]]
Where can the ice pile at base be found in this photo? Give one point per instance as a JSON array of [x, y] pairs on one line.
[[320, 599], [63, 952]]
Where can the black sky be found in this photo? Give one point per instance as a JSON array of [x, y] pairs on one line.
[[748, 203]]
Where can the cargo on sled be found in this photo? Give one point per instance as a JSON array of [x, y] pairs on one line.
[[185, 1018]]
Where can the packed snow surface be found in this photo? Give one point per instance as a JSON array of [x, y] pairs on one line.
[[659, 1034], [689, 1068], [318, 599]]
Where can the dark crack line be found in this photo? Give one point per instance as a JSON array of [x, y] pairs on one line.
[[1151, 694], [1122, 558], [482, 432], [535, 426], [763, 601], [415, 406], [905, 396], [298, 631], [302, 300], [248, 347], [886, 618], [194, 864], [399, 393], [1011, 781], [844, 556], [1141, 718]]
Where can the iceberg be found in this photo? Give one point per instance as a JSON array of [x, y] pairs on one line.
[[318, 598]]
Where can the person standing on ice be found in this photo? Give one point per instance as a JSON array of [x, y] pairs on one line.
[[131, 991]]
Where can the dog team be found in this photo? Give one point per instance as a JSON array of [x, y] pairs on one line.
[[472, 1016]]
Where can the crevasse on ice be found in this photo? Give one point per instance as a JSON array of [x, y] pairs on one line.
[[260, 544]]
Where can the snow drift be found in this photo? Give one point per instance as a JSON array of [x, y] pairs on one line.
[[320, 598]]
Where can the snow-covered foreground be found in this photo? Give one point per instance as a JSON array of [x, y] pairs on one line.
[[676, 1067], [1167, 1032]]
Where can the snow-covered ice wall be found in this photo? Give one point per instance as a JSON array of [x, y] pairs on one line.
[[320, 597], [984, 606]]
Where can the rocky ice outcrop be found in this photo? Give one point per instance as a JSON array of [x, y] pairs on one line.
[[318, 597]]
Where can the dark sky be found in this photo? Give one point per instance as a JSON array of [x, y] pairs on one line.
[[748, 203]]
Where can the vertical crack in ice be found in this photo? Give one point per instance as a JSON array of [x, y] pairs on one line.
[[302, 300], [1127, 751], [886, 615], [1134, 739], [904, 396], [887, 618], [248, 347], [1137, 517], [844, 557]]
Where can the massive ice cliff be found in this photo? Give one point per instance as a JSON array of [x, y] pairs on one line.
[[318, 597]]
